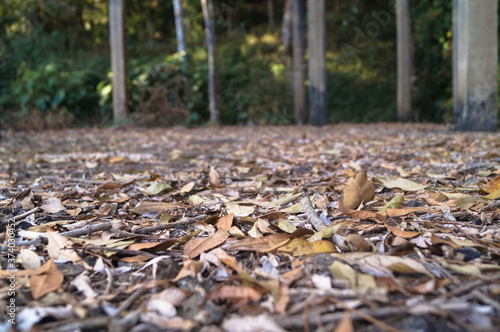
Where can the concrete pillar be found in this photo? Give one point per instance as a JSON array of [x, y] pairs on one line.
[[475, 43]]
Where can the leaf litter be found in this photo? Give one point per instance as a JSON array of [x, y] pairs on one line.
[[340, 228]]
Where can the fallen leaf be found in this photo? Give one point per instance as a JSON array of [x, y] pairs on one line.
[[239, 210], [286, 225], [225, 222], [299, 247], [61, 248], [401, 233], [214, 177], [345, 324], [157, 207], [491, 186], [156, 188], [213, 241], [29, 259], [361, 190], [236, 294], [394, 203], [404, 184], [48, 278], [296, 208], [187, 187], [52, 205], [189, 269]]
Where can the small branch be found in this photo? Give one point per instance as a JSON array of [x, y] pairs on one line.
[[312, 217], [121, 251], [490, 207], [20, 216], [128, 302], [87, 230], [473, 168], [297, 321], [161, 227], [126, 234]]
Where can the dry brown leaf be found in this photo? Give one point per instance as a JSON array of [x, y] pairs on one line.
[[48, 278], [214, 178], [52, 205], [358, 243], [236, 294], [61, 248], [225, 222], [361, 190], [189, 269], [158, 207], [491, 186], [401, 233], [345, 324], [299, 247], [213, 241]]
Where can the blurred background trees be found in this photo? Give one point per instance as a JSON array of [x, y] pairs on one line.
[[55, 64]]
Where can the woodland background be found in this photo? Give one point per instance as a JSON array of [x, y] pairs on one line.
[[55, 64]]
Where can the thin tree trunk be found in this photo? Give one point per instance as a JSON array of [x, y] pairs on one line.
[[404, 59], [210, 33], [181, 46], [317, 62], [118, 64], [298, 62], [286, 28], [270, 14]]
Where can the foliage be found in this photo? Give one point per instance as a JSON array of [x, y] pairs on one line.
[[68, 46]]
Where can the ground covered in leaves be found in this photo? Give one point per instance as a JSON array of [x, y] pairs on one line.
[[348, 227]]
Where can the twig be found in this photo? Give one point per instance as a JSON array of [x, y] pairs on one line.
[[126, 234], [297, 321], [490, 207], [110, 280], [89, 324], [161, 227], [367, 317], [20, 216], [121, 251], [129, 301], [89, 229], [312, 217], [473, 167]]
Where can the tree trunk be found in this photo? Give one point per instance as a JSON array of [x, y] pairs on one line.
[[270, 14], [286, 28], [210, 33], [181, 46], [475, 42], [298, 62], [118, 62], [317, 62], [404, 59]]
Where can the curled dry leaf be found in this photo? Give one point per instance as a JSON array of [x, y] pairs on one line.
[[48, 278], [361, 190]]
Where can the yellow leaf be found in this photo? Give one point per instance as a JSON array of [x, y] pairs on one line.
[[491, 186], [493, 195], [239, 210], [394, 203], [286, 226], [404, 184], [325, 233], [296, 208], [299, 247]]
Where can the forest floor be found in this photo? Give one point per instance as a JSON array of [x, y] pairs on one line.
[[251, 229]]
